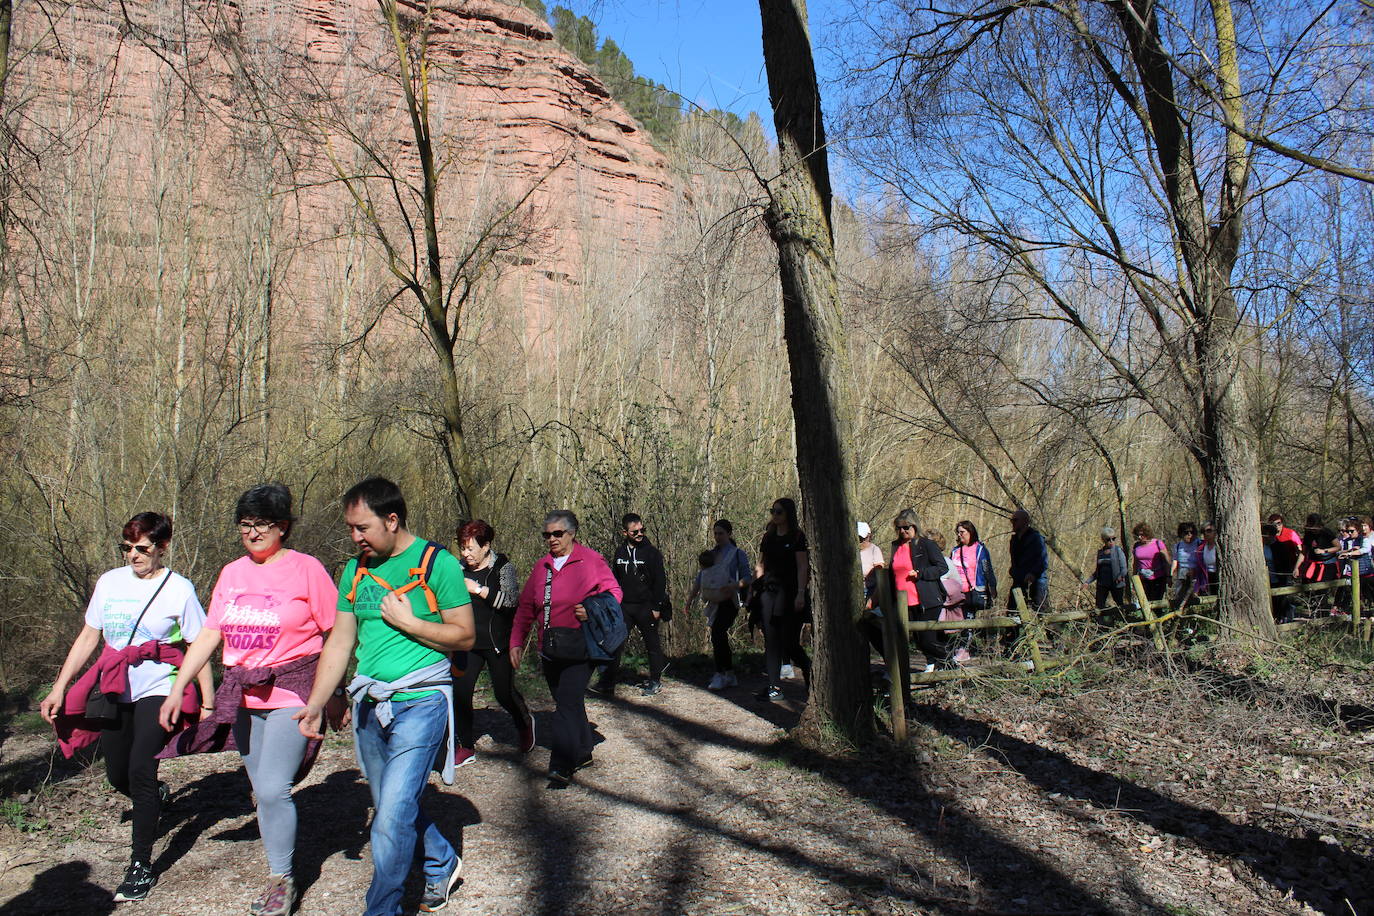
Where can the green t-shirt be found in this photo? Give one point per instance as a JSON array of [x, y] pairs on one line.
[[384, 652]]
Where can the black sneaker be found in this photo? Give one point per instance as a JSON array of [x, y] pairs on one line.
[[560, 778], [164, 792], [602, 690], [584, 763], [438, 890], [138, 881], [649, 688], [772, 693]]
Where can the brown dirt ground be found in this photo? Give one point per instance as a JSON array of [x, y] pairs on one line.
[[1201, 792]]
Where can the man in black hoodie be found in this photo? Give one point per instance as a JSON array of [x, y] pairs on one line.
[[638, 567]]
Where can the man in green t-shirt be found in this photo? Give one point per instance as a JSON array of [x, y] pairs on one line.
[[402, 696]]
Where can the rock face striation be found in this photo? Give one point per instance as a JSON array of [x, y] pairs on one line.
[[244, 116]]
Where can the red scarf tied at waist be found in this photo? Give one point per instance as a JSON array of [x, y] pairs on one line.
[[111, 673], [215, 732]]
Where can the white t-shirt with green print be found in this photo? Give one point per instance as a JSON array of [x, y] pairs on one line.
[[176, 616]]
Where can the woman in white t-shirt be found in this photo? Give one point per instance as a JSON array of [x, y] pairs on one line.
[[138, 603]]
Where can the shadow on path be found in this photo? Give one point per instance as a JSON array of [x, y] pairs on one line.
[[65, 889], [1343, 886]]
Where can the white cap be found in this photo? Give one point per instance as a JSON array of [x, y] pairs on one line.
[[864, 530]]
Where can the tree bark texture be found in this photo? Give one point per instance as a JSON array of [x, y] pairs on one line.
[[798, 220]]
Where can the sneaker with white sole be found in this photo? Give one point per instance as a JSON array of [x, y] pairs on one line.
[[138, 881], [717, 681], [462, 756], [437, 891]]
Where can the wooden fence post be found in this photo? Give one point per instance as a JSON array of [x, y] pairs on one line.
[[1144, 600], [894, 638], [1355, 598], [1032, 623]]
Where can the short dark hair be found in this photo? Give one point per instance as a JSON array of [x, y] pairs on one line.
[[380, 495], [155, 526], [629, 517], [271, 501], [1186, 528], [479, 531], [706, 558], [1269, 530]]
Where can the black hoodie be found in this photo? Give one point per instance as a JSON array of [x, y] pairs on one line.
[[639, 569]]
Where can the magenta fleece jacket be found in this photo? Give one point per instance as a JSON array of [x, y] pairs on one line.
[[585, 574]]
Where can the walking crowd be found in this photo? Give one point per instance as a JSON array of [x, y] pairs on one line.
[[418, 624]]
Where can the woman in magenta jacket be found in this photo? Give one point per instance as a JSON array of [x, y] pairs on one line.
[[569, 573]]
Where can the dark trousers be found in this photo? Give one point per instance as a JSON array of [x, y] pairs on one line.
[[497, 662], [129, 751], [1155, 588], [572, 734], [638, 617], [782, 639], [1118, 595], [934, 644], [727, 612]]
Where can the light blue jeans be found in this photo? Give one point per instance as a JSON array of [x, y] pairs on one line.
[[396, 761]]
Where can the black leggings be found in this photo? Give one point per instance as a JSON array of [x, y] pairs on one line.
[[129, 751], [497, 663], [726, 614], [572, 734], [638, 617], [934, 644], [782, 639]]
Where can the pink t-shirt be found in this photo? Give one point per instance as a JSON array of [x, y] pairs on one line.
[[272, 613], [1150, 556], [901, 574]]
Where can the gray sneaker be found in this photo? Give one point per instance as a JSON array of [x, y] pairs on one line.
[[278, 899], [437, 891]]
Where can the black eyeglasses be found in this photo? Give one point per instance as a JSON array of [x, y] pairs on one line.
[[143, 549], [554, 534], [260, 525]]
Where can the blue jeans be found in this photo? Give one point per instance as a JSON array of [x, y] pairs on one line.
[[396, 761]]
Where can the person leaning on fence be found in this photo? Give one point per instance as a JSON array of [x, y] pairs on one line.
[[552, 604], [1150, 561], [1355, 561], [917, 567], [403, 604], [1030, 563], [1109, 573], [1205, 558], [144, 612]]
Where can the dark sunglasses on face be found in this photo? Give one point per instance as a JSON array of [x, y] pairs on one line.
[[636, 532], [143, 549], [558, 533], [906, 527]]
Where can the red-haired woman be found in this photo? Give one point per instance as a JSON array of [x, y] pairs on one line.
[[495, 591], [146, 614]]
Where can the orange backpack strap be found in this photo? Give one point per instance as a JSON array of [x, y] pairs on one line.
[[419, 578]]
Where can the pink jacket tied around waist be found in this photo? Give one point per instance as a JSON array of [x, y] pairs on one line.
[[111, 673]]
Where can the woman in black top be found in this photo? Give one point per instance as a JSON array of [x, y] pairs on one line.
[[495, 590], [927, 566], [783, 573], [1320, 548]]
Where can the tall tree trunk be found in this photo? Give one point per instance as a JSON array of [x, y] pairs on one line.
[[798, 219]]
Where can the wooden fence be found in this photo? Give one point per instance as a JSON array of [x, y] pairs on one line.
[[1033, 626]]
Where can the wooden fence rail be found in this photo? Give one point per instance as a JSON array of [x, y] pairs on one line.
[[893, 604]]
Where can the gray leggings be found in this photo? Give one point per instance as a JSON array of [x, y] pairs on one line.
[[272, 747]]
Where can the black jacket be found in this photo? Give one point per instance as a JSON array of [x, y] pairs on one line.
[[929, 565], [639, 570]]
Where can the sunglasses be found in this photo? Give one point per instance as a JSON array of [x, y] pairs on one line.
[[636, 532], [555, 534], [261, 526], [143, 549], [906, 527]]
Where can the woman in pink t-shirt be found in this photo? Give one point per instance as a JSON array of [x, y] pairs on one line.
[[271, 610], [1151, 561]]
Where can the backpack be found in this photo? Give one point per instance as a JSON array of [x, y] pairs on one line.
[[716, 580], [419, 579]]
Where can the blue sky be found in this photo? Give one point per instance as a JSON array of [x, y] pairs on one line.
[[710, 51]]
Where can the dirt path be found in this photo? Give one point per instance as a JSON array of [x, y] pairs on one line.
[[689, 810]]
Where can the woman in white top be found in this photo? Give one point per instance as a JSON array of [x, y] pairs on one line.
[[135, 604]]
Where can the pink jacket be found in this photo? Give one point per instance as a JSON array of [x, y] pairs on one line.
[[585, 574]]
